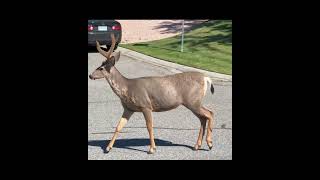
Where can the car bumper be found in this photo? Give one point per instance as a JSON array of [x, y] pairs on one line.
[[102, 38]]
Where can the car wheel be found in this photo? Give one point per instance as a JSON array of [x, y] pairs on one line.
[[109, 46], [116, 46]]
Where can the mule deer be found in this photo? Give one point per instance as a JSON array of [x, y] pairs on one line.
[[155, 94]]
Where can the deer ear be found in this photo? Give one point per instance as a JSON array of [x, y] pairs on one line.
[[117, 56], [112, 61]]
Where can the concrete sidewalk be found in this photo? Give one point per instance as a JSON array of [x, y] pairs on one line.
[[176, 68]]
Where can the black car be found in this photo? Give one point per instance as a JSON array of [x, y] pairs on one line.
[[100, 30]]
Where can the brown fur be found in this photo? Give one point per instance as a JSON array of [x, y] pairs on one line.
[[158, 93]]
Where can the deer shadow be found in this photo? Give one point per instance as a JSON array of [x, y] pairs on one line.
[[129, 143]]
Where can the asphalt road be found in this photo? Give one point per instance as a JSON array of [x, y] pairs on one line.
[[175, 131]]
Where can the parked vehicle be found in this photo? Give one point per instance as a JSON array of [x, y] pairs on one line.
[[100, 30]]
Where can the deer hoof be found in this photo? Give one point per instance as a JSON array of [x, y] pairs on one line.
[[107, 150], [196, 147], [152, 151], [210, 145]]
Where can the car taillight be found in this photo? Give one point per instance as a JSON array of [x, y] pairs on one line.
[[90, 28], [116, 27]]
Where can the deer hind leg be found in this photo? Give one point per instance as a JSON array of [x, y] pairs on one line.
[[201, 132], [204, 115], [209, 116], [149, 122], [123, 121]]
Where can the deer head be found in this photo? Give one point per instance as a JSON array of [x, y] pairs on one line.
[[111, 58]]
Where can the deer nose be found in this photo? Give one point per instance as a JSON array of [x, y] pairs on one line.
[[90, 76]]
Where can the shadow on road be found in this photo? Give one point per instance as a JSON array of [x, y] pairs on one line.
[[128, 143], [179, 129]]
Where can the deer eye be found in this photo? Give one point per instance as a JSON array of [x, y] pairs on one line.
[[100, 68]]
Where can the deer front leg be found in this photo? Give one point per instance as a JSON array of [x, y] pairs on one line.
[[123, 121], [149, 121]]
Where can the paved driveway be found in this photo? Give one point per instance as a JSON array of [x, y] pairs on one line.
[[134, 31], [175, 131]]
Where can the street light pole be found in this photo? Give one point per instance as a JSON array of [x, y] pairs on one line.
[[182, 36]]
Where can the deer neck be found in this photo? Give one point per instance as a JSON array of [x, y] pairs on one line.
[[118, 83]]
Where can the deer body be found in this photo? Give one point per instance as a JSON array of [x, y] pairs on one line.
[[156, 94]]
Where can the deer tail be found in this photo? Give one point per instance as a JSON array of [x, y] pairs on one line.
[[209, 82]]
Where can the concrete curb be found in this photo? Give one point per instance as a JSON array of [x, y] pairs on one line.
[[176, 68]]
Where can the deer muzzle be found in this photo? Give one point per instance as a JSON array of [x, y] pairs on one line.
[[91, 77]]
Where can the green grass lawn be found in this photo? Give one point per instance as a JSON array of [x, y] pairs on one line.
[[207, 46]]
